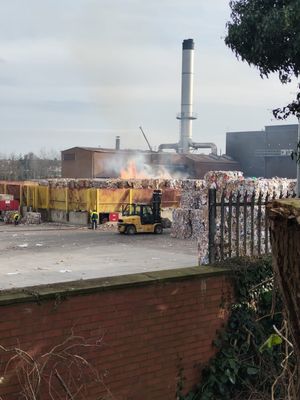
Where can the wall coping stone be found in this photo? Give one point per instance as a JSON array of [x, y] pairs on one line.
[[63, 290], [286, 207]]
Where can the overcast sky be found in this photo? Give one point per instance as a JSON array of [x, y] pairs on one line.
[[80, 72]]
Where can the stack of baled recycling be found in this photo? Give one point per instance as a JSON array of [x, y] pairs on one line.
[[8, 216], [219, 179], [248, 189], [118, 183], [189, 219], [31, 218], [182, 224], [192, 198], [183, 184], [193, 212], [188, 224]]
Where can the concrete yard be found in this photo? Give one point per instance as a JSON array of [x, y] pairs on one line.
[[41, 254]]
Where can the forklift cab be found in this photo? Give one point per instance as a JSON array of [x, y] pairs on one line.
[[144, 211], [146, 214]]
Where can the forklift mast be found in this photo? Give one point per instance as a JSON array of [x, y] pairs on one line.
[[156, 206]]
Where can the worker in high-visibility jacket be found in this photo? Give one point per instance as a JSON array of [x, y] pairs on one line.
[[16, 218], [94, 219]]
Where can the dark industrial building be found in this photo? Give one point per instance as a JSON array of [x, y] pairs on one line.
[[265, 153], [90, 162]]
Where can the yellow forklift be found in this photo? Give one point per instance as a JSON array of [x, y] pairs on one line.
[[142, 218]]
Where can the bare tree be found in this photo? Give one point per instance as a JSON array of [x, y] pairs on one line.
[[30, 166], [63, 372]]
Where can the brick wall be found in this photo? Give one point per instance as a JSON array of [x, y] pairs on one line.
[[155, 330]]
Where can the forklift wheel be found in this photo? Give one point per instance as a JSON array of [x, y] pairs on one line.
[[158, 229], [130, 230]]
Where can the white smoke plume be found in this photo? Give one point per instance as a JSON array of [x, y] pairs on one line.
[[136, 165]]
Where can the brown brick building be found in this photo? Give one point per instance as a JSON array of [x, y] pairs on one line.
[[90, 162]]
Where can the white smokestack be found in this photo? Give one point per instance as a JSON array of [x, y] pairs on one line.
[[186, 115]]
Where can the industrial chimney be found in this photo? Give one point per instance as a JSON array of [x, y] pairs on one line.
[[117, 142], [187, 79], [186, 116]]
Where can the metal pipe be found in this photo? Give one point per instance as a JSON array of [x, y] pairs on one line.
[[208, 145], [168, 146]]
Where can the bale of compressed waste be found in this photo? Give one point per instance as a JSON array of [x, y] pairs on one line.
[[31, 218]]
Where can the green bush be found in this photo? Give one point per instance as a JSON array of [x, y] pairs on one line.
[[249, 353]]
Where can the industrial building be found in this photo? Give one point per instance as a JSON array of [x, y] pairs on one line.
[[89, 162], [265, 153]]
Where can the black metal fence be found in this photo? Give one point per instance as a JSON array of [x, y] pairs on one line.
[[238, 224]]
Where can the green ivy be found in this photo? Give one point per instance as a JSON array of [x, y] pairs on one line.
[[249, 354]]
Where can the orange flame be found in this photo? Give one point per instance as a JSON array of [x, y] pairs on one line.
[[131, 172]]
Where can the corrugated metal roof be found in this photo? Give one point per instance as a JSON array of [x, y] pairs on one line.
[[209, 158], [104, 150]]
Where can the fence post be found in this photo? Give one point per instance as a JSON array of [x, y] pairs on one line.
[[245, 223], [222, 227], [237, 222], [230, 225], [252, 224], [212, 196], [259, 224]]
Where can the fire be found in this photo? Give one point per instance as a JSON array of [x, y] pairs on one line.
[[132, 172], [138, 170]]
